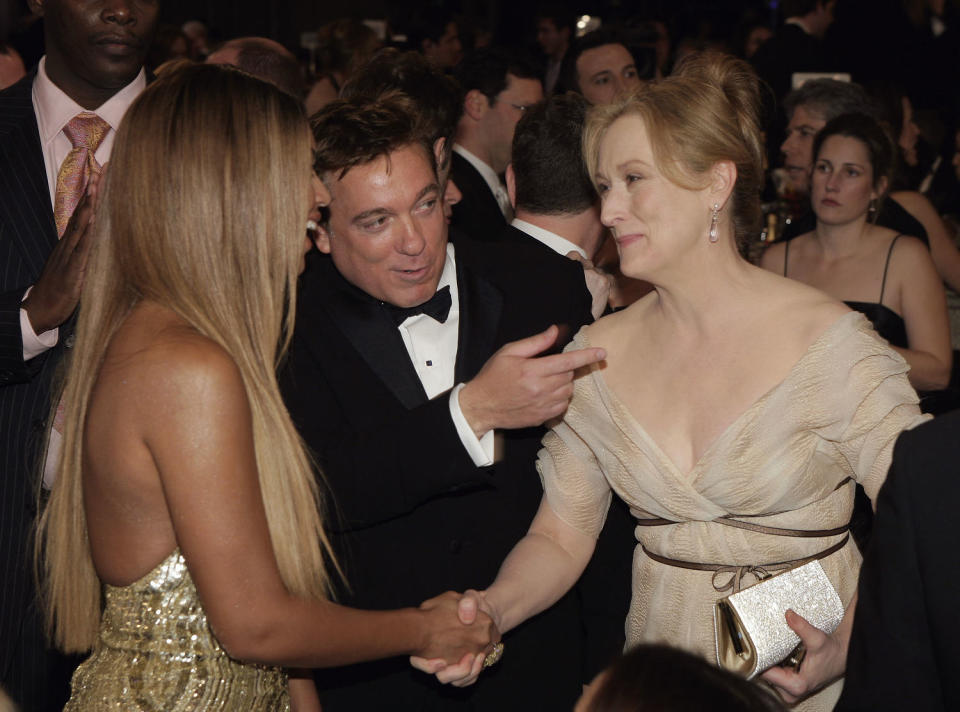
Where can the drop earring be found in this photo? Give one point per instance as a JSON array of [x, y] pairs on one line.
[[714, 219]]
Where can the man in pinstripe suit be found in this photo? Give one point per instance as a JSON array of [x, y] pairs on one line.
[[93, 63]]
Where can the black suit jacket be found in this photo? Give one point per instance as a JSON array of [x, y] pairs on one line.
[[903, 649], [478, 214], [27, 235], [414, 516], [791, 50]]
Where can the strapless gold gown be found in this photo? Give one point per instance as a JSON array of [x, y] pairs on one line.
[[155, 651]]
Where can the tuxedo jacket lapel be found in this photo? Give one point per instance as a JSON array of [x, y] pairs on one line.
[[373, 334], [26, 216], [481, 305]]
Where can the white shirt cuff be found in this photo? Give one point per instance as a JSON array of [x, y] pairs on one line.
[[480, 450], [34, 344]]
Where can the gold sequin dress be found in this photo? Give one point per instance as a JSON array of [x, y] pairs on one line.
[[835, 416], [155, 651]]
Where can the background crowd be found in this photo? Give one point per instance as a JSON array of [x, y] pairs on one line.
[[455, 222]]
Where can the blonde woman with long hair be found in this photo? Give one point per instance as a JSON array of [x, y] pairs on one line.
[[183, 540]]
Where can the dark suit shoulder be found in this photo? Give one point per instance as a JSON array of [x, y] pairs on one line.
[[509, 262], [930, 449]]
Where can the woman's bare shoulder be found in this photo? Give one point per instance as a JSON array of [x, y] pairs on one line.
[[163, 360], [613, 328]]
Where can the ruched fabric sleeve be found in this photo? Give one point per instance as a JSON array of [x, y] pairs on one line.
[[874, 403], [573, 482]]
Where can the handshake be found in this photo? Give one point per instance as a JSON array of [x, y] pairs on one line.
[[462, 637]]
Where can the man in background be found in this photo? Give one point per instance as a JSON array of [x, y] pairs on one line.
[[57, 127], [498, 87]]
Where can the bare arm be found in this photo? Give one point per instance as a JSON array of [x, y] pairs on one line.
[[201, 439], [946, 256], [923, 305], [541, 568]]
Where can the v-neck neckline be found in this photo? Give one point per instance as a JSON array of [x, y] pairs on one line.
[[614, 399]]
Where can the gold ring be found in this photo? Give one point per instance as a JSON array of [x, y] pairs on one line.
[[493, 657]]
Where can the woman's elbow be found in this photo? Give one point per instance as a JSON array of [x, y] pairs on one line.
[[250, 639]]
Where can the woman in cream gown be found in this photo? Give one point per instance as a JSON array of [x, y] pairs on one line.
[[734, 409]]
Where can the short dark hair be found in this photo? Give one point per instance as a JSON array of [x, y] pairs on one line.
[[551, 176], [354, 132], [869, 131], [431, 24], [798, 8], [830, 98], [486, 70], [264, 59], [569, 81], [657, 677], [436, 96], [559, 14]]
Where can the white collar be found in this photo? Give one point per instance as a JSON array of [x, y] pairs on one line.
[[489, 175], [55, 109], [557, 243]]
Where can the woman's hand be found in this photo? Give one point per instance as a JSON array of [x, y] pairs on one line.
[[458, 636], [824, 662]]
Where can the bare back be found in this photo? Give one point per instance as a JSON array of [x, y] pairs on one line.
[[135, 399], [686, 385]]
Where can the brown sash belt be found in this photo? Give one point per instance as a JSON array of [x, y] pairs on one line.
[[737, 573]]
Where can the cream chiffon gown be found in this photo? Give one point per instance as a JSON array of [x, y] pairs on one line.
[[835, 416]]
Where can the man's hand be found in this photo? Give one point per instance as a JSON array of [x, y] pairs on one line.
[[57, 291], [598, 282], [515, 389]]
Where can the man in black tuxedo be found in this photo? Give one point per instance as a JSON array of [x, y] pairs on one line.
[[798, 45], [420, 502], [903, 649], [497, 88], [555, 204], [93, 63]]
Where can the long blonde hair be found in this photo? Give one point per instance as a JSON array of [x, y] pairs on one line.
[[202, 211]]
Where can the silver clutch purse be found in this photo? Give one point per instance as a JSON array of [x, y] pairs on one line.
[[750, 629]]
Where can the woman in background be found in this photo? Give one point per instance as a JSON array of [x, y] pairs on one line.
[[889, 277], [183, 539]]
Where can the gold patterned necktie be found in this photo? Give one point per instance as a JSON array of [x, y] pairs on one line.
[[86, 132]]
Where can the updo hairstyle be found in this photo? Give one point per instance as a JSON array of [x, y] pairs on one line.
[[704, 113]]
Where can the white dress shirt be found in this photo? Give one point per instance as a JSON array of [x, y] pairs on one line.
[[432, 348], [54, 110], [560, 245], [491, 178]]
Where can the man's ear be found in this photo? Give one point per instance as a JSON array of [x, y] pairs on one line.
[[511, 179], [438, 146], [321, 238], [475, 104]]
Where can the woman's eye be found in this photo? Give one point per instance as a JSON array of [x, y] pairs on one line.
[[633, 178]]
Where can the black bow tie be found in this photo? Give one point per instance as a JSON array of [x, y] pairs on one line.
[[437, 307]]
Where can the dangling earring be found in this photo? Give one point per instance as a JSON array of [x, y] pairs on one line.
[[714, 219], [872, 210]]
